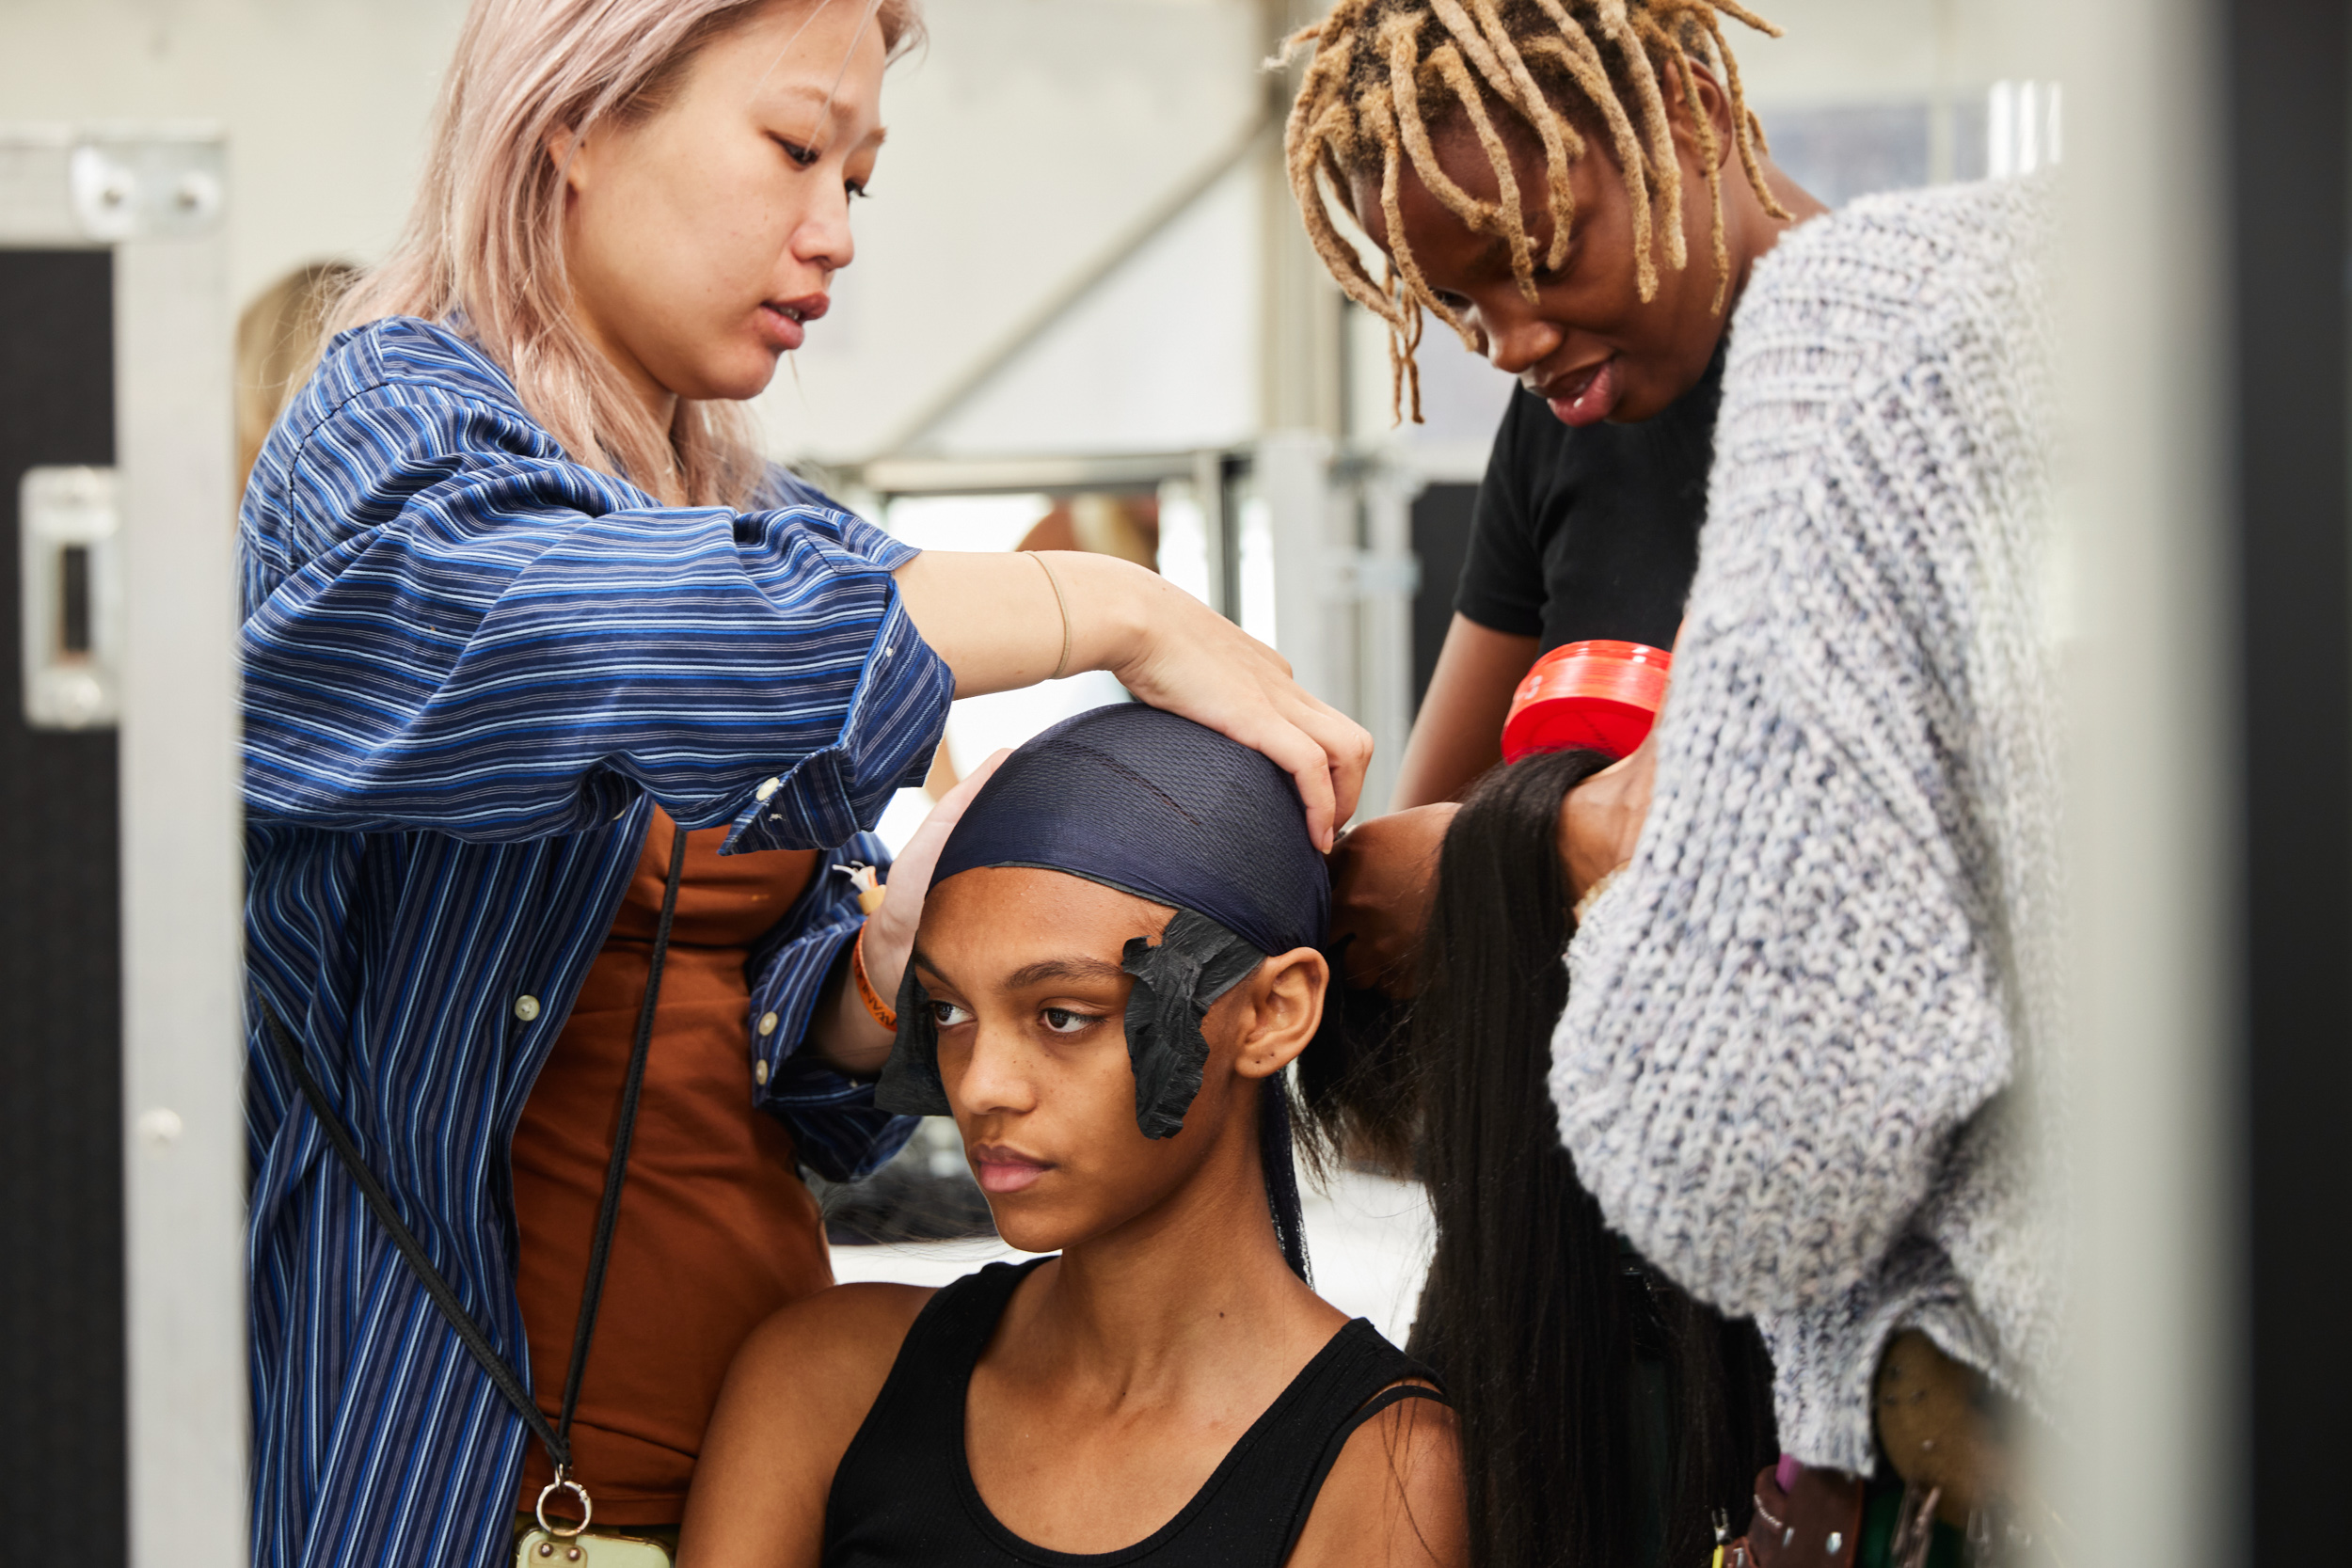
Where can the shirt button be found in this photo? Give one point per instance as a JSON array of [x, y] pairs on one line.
[[767, 790], [767, 1024], [759, 1072], [525, 1008]]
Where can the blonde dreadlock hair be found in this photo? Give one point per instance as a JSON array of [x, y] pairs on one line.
[[1384, 69]]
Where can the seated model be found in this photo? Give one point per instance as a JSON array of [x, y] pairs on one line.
[[1118, 958]]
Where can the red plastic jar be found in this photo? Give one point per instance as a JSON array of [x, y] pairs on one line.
[[1600, 696]]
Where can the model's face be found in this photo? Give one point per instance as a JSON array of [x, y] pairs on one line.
[[1588, 344], [701, 240], [1023, 967]]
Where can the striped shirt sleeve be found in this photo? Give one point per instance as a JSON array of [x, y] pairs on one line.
[[452, 627], [835, 1127]]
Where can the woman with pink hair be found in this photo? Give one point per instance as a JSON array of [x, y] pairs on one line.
[[564, 715]]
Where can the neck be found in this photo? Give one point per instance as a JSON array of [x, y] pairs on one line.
[[1197, 1277], [1753, 231], [658, 401]]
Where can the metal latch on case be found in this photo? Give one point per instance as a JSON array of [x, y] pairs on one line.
[[69, 572]]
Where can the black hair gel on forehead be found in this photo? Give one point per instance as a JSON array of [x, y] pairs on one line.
[[1158, 806]]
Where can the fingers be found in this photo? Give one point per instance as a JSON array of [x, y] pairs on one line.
[[945, 815], [1201, 665], [1300, 755], [1347, 750], [911, 873]]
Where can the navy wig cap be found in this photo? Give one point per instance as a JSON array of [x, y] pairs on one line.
[[1156, 805], [1152, 804]]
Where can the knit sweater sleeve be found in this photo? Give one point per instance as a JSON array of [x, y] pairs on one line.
[[1784, 1013]]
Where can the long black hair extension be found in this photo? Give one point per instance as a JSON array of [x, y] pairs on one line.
[[1605, 1416]]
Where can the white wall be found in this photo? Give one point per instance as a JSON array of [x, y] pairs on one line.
[[1028, 135], [324, 103]]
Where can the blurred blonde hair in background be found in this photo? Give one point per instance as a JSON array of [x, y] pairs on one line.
[[482, 249], [278, 339]]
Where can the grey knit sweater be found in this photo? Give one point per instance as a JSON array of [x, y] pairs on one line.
[[1798, 1062]]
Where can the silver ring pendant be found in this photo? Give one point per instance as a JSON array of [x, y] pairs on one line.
[[565, 1484]]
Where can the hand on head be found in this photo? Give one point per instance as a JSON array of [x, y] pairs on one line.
[[1197, 663], [890, 931], [1000, 622]]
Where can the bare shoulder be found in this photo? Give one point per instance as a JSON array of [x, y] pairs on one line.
[[834, 1332], [794, 1397], [1394, 1497], [823, 1361]]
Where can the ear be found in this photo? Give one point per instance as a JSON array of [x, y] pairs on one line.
[[1284, 1002], [1716, 103], [568, 151]]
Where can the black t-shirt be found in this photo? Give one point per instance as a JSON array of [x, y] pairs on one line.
[[1591, 532]]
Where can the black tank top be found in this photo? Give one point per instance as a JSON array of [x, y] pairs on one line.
[[904, 1494]]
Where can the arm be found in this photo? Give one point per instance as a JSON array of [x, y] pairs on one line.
[[802, 1073], [450, 627], [1498, 622], [1395, 1498], [1784, 1012], [820, 1056], [1000, 623], [794, 1397], [1458, 733]]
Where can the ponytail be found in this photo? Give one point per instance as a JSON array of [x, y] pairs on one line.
[[1605, 1416]]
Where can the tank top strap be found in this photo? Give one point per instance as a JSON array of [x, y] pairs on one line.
[[915, 1427], [1257, 1504]]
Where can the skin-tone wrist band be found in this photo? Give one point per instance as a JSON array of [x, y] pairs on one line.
[[881, 1011], [1061, 665]]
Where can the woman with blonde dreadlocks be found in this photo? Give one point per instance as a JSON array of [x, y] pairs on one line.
[[1811, 925], [1581, 192]]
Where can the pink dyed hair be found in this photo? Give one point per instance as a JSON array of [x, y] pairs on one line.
[[484, 245]]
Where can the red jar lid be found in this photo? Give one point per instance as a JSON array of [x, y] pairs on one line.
[[1600, 696]]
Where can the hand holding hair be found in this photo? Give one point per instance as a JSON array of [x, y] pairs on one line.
[[1384, 874], [890, 930], [845, 1032], [1000, 622], [1600, 820]]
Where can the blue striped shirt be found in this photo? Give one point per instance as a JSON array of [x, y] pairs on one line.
[[472, 669]]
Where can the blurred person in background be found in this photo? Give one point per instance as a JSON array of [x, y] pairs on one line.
[[563, 714], [279, 334], [1127, 527], [1811, 986]]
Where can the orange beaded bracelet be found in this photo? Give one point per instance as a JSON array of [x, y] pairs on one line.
[[881, 1012]]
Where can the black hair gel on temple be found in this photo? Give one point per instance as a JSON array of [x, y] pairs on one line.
[[1547, 1329]]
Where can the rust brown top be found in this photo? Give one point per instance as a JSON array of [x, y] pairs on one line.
[[716, 1229]]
